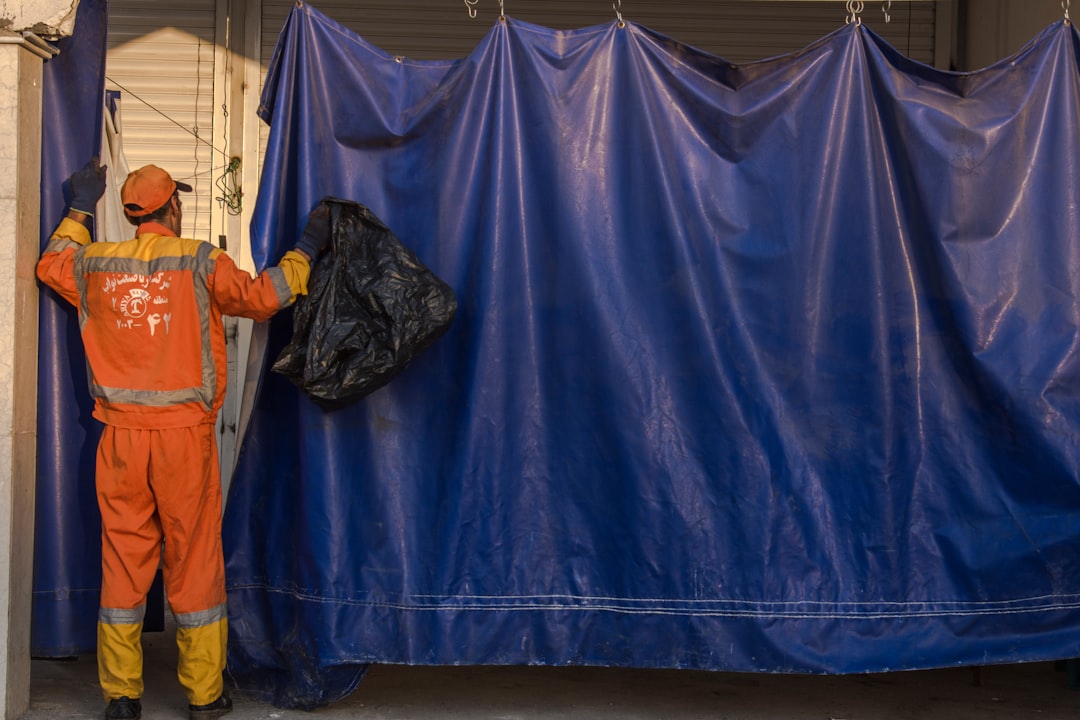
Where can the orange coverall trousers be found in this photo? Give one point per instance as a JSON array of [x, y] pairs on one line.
[[160, 497]]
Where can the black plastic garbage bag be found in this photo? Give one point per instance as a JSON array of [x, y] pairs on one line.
[[371, 308]]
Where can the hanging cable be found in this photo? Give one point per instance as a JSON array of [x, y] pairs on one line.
[[195, 115], [228, 78], [231, 194], [616, 5], [228, 183], [470, 6]]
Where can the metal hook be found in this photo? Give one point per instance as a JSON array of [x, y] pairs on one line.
[[470, 5], [854, 8], [886, 6], [616, 5], [1065, 8], [502, 11]]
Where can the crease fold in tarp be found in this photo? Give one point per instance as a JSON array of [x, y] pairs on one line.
[[758, 368]]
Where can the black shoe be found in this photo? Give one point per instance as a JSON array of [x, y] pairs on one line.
[[123, 708], [216, 709]]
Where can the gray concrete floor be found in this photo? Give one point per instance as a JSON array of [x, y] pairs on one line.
[[69, 690]]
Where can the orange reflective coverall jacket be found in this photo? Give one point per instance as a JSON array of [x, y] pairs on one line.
[[150, 314]]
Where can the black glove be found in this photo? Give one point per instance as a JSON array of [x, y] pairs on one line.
[[316, 235], [87, 187]]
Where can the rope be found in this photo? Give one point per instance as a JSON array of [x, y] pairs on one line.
[[159, 112]]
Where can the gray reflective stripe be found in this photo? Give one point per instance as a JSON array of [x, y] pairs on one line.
[[58, 244], [134, 266], [281, 285], [199, 265], [201, 618], [150, 398], [119, 616]]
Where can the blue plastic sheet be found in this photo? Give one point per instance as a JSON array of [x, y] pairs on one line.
[[759, 368], [67, 526]]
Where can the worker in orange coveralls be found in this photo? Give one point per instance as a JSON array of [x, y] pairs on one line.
[[150, 314]]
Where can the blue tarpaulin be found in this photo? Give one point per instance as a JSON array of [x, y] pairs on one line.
[[67, 526], [769, 367]]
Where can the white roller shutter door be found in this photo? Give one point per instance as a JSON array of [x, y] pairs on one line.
[[161, 57]]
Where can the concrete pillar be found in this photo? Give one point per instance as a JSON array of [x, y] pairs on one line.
[[21, 56], [23, 23]]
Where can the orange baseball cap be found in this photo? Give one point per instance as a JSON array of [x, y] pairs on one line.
[[147, 189]]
